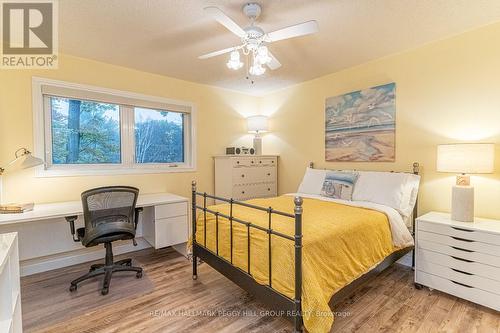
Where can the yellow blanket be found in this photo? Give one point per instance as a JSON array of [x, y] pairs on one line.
[[340, 243]]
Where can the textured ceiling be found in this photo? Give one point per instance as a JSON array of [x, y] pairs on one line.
[[165, 37]]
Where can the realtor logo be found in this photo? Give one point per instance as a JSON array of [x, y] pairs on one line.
[[29, 34]]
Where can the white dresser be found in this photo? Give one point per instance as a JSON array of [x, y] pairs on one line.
[[10, 291], [246, 177], [459, 258]]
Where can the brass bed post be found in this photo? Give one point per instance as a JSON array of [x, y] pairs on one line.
[[297, 316], [193, 228]]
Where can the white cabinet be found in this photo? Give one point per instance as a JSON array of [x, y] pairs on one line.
[[166, 225], [10, 291], [246, 177], [459, 258]]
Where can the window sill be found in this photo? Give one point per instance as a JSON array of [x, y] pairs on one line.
[[67, 172]]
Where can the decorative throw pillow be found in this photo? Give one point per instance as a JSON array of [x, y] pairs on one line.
[[339, 184]]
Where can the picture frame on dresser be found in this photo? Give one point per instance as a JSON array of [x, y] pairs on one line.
[[459, 258]]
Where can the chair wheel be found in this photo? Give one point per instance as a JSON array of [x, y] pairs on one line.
[[104, 291], [138, 275], [72, 287], [418, 286]]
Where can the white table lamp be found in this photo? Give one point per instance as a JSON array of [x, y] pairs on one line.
[[23, 160], [257, 125], [464, 159]]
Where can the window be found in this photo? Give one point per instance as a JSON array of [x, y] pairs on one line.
[[158, 136], [88, 130], [84, 132]]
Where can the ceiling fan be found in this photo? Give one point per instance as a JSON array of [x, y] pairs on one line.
[[254, 40]]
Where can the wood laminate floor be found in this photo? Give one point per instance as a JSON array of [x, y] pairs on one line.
[[168, 300]]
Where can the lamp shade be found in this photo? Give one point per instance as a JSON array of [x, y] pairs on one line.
[[257, 124], [466, 158]]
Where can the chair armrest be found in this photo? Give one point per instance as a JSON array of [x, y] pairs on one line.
[[136, 217], [71, 220]]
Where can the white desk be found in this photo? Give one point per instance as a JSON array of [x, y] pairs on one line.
[[45, 241]]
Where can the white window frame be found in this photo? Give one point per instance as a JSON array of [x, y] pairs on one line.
[[42, 128]]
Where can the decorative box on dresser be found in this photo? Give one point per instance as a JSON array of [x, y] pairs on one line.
[[459, 258], [10, 291], [244, 177]]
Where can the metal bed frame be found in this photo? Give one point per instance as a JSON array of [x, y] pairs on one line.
[[284, 305]]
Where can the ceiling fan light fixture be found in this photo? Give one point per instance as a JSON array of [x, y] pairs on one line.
[[234, 60], [263, 55], [256, 69]]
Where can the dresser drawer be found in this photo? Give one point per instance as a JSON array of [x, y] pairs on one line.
[[245, 192], [460, 232], [469, 293], [170, 210], [461, 243], [244, 162], [460, 276], [457, 252], [254, 175], [477, 268], [266, 161]]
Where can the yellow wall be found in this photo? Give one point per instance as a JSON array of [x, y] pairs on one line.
[[447, 91], [218, 124]]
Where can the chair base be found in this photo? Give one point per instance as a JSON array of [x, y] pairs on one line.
[[107, 269]]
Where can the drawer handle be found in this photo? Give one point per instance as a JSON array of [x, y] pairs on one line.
[[461, 284], [268, 189], [242, 176], [463, 239], [268, 174], [457, 258], [242, 192], [460, 249], [237, 162], [260, 161], [252, 162], [459, 271], [462, 229]]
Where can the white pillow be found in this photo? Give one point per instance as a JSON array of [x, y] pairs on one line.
[[393, 189], [312, 183]]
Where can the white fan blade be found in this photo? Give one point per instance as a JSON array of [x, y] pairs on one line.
[[274, 63], [216, 53], [223, 19], [297, 30]]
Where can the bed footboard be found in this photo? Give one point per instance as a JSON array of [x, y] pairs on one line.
[[287, 307]]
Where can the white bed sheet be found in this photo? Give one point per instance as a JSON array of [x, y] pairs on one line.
[[401, 236]]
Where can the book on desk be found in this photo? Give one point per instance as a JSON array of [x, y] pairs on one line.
[[16, 208]]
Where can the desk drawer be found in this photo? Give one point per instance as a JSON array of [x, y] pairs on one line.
[[477, 268], [460, 232], [170, 231], [458, 242], [458, 253], [460, 276], [170, 210], [469, 293]]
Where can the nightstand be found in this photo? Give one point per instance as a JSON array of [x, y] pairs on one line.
[[459, 258]]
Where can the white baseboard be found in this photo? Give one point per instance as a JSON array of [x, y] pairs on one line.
[[43, 264]]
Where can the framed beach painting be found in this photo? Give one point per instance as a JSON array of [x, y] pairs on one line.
[[360, 126]]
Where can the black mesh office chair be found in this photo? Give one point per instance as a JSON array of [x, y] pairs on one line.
[[110, 215]]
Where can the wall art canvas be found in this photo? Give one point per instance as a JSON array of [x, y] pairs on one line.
[[360, 126]]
